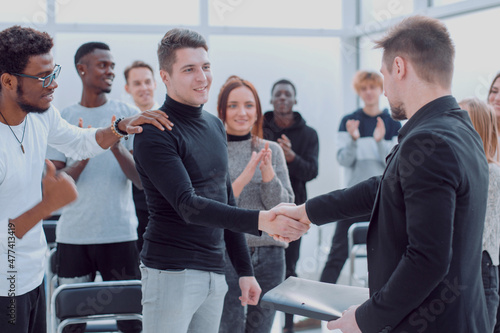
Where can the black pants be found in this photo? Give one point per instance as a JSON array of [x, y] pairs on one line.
[[25, 313], [291, 257], [339, 250], [115, 261]]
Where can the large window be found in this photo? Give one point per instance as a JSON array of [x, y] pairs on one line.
[[147, 12], [445, 2], [312, 14], [477, 57], [27, 12], [383, 10]]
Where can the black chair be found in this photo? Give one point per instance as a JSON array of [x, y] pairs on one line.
[[49, 228], [357, 249], [95, 301]]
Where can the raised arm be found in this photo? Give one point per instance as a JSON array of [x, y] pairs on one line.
[[276, 188], [58, 191], [305, 166], [347, 145], [108, 136]]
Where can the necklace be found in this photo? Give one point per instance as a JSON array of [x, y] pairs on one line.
[[24, 130]]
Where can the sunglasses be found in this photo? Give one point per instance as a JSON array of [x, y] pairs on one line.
[[47, 80]]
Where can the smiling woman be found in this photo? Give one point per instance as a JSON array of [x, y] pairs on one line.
[[259, 179]]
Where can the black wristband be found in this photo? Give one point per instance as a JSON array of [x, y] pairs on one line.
[[118, 130]]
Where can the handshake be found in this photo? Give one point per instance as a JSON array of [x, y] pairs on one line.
[[285, 222]]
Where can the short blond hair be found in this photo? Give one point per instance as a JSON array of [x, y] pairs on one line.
[[366, 77]]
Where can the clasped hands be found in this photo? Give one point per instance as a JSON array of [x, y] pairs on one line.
[[285, 222]]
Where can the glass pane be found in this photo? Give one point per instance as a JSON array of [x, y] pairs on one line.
[[373, 11], [125, 48], [185, 12], [371, 59], [312, 14], [444, 2], [477, 54], [27, 12]]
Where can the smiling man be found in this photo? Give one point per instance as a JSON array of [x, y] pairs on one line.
[[141, 85], [28, 123], [100, 228], [191, 204]]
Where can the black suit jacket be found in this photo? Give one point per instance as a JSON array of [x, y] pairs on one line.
[[427, 218]]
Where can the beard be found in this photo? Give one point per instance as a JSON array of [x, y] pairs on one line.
[[398, 112], [25, 105]]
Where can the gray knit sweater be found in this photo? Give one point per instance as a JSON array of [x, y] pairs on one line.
[[256, 194]]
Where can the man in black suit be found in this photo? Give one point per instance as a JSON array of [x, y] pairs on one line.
[[428, 208]]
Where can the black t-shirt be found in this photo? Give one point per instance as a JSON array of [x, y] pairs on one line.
[[185, 176]]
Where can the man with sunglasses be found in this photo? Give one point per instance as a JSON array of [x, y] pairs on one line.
[[28, 123]]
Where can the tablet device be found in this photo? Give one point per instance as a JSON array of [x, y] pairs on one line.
[[313, 299]]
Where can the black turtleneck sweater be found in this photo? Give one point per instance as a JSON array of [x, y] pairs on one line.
[[188, 190]]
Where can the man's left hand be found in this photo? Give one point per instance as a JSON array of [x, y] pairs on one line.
[[157, 118], [347, 323], [250, 290]]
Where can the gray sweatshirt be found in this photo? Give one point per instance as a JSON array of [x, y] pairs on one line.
[[256, 194]]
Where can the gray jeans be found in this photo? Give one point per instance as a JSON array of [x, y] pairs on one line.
[[181, 301]]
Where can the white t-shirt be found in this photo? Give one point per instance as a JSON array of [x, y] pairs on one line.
[[20, 190], [104, 211]]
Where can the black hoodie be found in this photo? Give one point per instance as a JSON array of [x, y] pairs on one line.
[[305, 144]]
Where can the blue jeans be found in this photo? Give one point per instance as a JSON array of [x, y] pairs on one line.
[[269, 268], [180, 301], [490, 283]]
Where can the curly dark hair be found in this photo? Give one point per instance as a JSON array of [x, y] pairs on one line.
[[18, 44]]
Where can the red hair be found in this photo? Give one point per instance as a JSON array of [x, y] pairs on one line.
[[232, 83]]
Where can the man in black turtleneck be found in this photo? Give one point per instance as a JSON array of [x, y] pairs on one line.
[[190, 201], [301, 147]]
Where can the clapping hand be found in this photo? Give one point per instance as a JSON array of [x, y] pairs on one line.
[[266, 164], [379, 132], [352, 127]]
